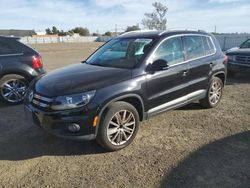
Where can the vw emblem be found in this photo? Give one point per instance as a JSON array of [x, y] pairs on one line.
[[31, 95]]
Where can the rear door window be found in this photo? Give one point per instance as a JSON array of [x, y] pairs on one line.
[[194, 47], [171, 51]]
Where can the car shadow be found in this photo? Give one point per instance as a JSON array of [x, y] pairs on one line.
[[33, 142], [223, 163], [20, 139]]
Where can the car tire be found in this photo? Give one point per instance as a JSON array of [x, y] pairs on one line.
[[214, 93], [13, 88], [118, 127]]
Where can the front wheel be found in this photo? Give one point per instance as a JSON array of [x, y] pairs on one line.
[[118, 127], [13, 89], [214, 93]]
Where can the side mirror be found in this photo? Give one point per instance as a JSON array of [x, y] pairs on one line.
[[159, 65]]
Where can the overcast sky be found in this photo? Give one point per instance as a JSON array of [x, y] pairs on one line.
[[103, 15]]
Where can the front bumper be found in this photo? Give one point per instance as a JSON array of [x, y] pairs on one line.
[[57, 122], [237, 67]]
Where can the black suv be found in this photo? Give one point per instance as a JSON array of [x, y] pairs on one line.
[[129, 79], [19, 64], [239, 58]]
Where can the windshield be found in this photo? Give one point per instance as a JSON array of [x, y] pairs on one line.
[[121, 53], [245, 44]]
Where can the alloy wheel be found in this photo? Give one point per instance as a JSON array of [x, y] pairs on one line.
[[121, 127], [215, 92], [14, 90]]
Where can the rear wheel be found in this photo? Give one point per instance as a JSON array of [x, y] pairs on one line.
[[214, 93], [118, 127], [13, 88]]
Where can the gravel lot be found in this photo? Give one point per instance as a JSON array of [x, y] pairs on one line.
[[188, 147]]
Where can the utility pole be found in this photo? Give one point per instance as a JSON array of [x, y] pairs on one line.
[[115, 29]]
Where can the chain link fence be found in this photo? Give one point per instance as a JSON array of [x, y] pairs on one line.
[[226, 41]]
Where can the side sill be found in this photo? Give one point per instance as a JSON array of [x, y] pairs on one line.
[[177, 103]]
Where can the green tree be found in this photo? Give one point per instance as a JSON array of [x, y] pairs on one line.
[[70, 33], [55, 30], [48, 31], [82, 31], [157, 19], [62, 33], [108, 33], [132, 28]]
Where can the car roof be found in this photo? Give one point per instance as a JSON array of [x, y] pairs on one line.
[[158, 34]]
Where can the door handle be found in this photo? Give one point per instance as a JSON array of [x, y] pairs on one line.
[[184, 73], [212, 64]]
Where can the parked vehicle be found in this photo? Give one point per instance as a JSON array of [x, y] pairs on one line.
[[129, 79], [239, 58], [19, 64]]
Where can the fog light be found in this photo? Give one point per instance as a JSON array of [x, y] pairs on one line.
[[74, 128]]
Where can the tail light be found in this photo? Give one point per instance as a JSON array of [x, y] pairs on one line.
[[37, 62], [225, 60]]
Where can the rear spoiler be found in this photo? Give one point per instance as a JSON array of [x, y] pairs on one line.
[[10, 37]]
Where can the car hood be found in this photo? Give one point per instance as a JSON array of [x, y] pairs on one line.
[[238, 51], [79, 78]]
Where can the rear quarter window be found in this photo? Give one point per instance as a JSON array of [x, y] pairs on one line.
[[12, 46], [208, 45], [5, 48]]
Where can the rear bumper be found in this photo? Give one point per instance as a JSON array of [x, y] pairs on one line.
[[37, 72], [57, 123]]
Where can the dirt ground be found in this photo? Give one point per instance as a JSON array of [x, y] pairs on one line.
[[187, 147]]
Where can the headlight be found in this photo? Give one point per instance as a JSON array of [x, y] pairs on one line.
[[72, 101], [231, 57]]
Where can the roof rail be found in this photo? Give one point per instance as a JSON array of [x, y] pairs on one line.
[[137, 31], [161, 33]]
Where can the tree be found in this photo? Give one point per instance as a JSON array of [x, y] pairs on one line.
[[157, 19], [55, 30], [62, 33], [70, 33], [48, 31], [108, 33], [132, 28], [82, 31]]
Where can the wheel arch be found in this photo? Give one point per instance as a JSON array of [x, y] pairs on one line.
[[133, 99], [221, 75], [20, 73]]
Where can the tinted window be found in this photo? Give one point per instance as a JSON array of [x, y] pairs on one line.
[[246, 44], [171, 51], [11, 46], [5, 48], [211, 45], [208, 46], [194, 46]]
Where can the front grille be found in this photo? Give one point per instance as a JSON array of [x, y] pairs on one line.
[[41, 101], [243, 59]]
